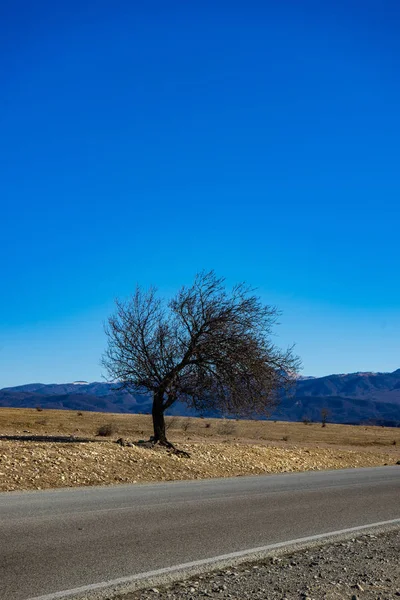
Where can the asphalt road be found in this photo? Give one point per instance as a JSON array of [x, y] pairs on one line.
[[62, 539]]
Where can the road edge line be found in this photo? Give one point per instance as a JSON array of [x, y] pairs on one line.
[[131, 583]]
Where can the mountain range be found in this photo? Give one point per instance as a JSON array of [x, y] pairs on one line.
[[349, 398]]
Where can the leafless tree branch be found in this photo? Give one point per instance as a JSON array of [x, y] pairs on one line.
[[206, 346]]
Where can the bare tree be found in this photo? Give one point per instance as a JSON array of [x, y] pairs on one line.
[[208, 347], [325, 413]]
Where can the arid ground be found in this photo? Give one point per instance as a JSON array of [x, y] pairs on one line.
[[218, 448]]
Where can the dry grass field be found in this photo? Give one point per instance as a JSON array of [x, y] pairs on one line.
[[19, 421], [218, 448]]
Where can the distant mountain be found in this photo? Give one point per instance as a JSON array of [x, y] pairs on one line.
[[102, 397], [349, 398], [384, 387]]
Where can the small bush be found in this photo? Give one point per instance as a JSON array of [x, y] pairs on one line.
[[185, 425], [39, 408], [207, 425], [80, 414], [105, 430], [170, 423]]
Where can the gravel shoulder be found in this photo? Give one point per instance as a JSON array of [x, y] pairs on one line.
[[362, 568], [27, 465]]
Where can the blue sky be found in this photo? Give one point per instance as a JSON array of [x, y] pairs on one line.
[[144, 142]]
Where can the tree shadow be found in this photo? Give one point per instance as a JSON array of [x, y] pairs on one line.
[[47, 438]]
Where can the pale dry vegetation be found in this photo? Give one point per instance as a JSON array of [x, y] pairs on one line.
[[19, 421], [218, 448]]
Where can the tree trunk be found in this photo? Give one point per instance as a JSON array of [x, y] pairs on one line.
[[158, 418], [159, 424]]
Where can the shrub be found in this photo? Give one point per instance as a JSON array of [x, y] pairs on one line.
[[39, 408], [170, 422], [186, 424], [80, 414], [105, 430], [207, 425]]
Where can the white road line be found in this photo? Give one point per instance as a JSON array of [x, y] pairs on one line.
[[106, 585]]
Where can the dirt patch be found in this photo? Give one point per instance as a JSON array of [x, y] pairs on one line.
[[36, 465]]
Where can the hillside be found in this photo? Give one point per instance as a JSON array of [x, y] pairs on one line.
[[349, 398]]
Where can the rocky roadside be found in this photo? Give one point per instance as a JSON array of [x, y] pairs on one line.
[[362, 568], [27, 465]]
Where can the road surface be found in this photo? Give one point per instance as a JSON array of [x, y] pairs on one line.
[[57, 540]]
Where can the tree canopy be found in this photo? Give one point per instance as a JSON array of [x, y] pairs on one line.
[[207, 346]]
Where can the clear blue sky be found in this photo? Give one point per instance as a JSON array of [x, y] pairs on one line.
[[145, 141]]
